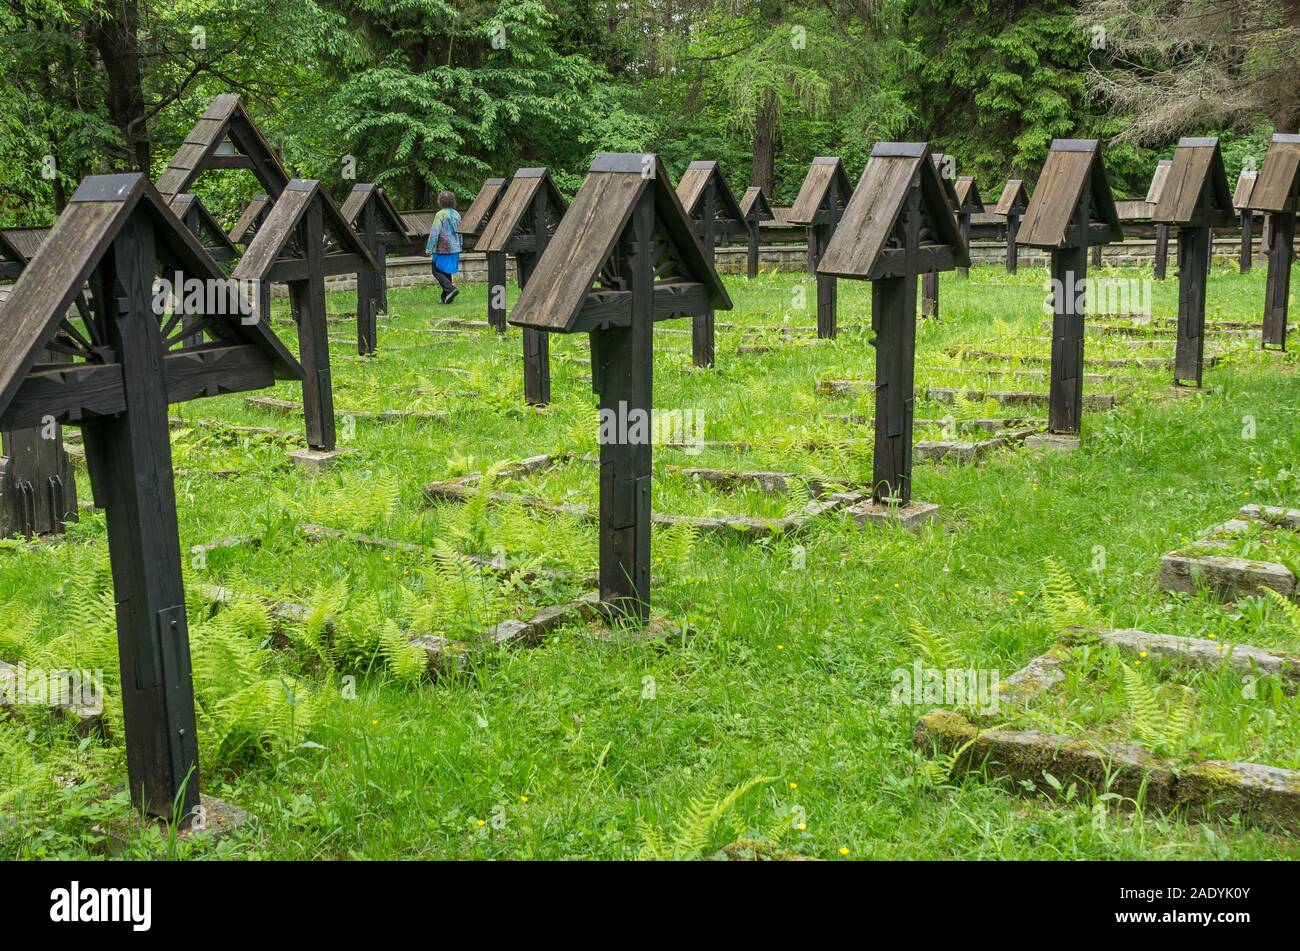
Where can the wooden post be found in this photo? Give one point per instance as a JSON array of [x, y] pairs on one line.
[[131, 455], [963, 222], [1065, 395], [1096, 255], [702, 335], [622, 365], [38, 486], [1247, 240], [1162, 251], [752, 258], [368, 285], [1281, 254], [893, 321], [537, 343], [307, 297], [930, 294], [497, 280], [1193, 272], [1013, 227]]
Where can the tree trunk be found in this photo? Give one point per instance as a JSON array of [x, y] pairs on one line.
[[117, 38], [764, 168]]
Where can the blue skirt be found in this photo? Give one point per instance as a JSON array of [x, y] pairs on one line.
[[447, 263]]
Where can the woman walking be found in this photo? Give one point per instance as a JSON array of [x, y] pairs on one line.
[[444, 245]]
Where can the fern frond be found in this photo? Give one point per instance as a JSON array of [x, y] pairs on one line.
[[1063, 605], [936, 646]]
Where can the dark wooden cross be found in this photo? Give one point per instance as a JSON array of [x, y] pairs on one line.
[[303, 240], [1072, 210], [129, 360], [624, 256], [372, 216], [756, 208], [1195, 199], [1277, 193], [225, 137], [472, 224], [930, 279], [195, 216], [898, 225], [1011, 206], [712, 207], [38, 485], [1241, 202], [1162, 230], [968, 203], [818, 207], [522, 224]]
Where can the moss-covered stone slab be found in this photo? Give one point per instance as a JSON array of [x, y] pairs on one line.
[[913, 516], [1231, 577], [445, 656], [1264, 794], [825, 498]]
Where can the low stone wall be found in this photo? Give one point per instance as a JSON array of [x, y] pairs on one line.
[[411, 271]]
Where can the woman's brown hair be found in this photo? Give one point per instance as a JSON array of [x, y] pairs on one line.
[[446, 199]]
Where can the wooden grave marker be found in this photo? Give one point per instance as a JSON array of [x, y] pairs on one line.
[[480, 210], [756, 208], [195, 216], [624, 256], [1241, 202], [1195, 199], [528, 214], [372, 216], [1072, 209], [947, 166], [709, 203], [1011, 206], [899, 224], [304, 240], [1162, 230], [819, 207], [130, 359], [38, 485], [225, 137], [1277, 193], [969, 203]]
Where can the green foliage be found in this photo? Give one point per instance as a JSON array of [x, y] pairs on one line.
[[1063, 605], [936, 646], [1153, 724], [693, 833]]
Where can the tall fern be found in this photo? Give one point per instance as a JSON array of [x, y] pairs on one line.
[[692, 836], [1063, 605]]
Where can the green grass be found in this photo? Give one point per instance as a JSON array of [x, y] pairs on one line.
[[579, 748]]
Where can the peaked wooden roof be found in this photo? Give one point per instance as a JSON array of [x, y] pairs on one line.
[[511, 213], [195, 216], [26, 241], [225, 120], [968, 195], [250, 219], [281, 225], [824, 170], [85, 231], [1245, 185], [390, 218], [480, 209], [755, 202], [1158, 181], [1196, 190], [1071, 165], [9, 251], [949, 186], [1278, 185], [690, 190], [1014, 199], [867, 228], [589, 233]]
